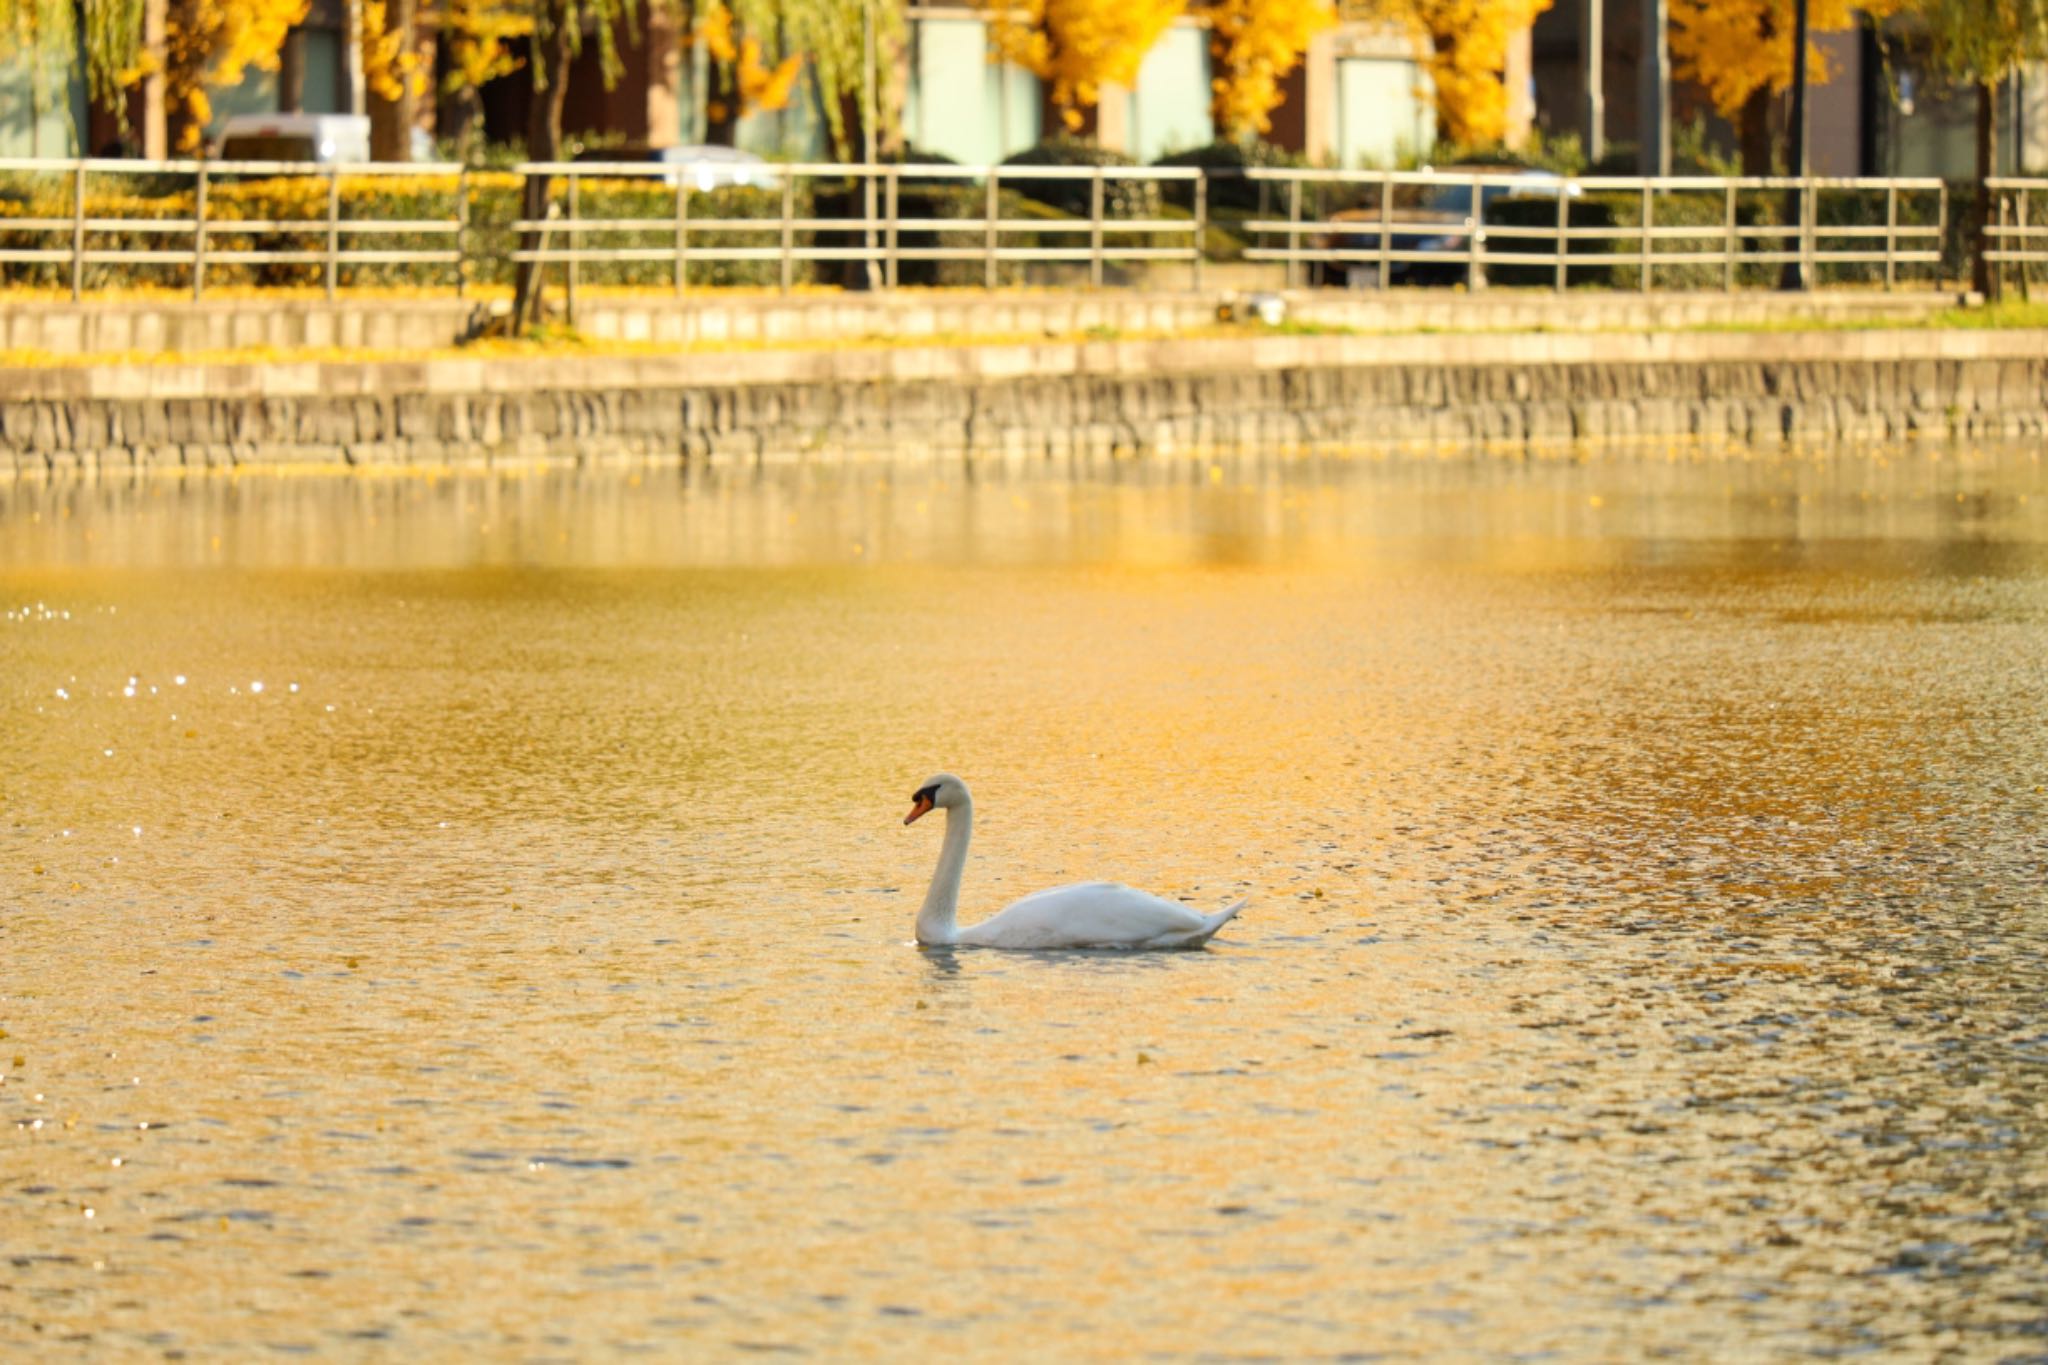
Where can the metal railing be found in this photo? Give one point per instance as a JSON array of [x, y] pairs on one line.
[[2017, 234], [198, 229], [876, 235], [987, 223], [1421, 226]]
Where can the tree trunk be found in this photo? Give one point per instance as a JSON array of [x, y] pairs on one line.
[[543, 143], [1755, 132], [464, 114], [391, 120], [721, 103], [152, 117], [1984, 278], [352, 57], [404, 109], [291, 73]]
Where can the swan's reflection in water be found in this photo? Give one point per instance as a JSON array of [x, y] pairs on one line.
[[950, 961], [1644, 956]]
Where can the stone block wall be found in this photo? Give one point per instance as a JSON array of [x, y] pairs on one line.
[[1093, 399]]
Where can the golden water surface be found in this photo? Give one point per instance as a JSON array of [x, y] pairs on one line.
[[469, 917]]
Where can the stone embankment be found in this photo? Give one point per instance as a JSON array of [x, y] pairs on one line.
[[1255, 391]]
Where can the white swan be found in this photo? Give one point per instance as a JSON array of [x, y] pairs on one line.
[[1084, 915]]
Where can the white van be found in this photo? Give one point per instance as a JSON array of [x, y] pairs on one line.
[[323, 138]]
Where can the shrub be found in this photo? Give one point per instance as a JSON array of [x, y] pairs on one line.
[[1226, 163], [1120, 198]]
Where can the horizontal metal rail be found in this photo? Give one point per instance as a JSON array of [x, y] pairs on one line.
[[224, 239], [873, 236], [1392, 223], [1443, 220], [2016, 233]]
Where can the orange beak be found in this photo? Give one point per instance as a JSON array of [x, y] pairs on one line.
[[923, 807]]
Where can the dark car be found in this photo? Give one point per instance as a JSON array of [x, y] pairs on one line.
[[1436, 219]]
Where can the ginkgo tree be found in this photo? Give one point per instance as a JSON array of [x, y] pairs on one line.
[[393, 75], [742, 82], [1740, 53], [766, 54], [43, 36], [560, 29], [1078, 46], [1463, 45], [1467, 59], [483, 40], [211, 45], [1984, 43], [1253, 45], [55, 37]]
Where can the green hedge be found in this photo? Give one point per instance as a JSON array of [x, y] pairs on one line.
[[1075, 197], [1226, 163]]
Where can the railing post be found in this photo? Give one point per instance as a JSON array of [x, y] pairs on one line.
[[1095, 231], [892, 199], [1293, 233], [1201, 222], [1562, 242], [1475, 243], [199, 235], [1808, 236], [78, 230], [1731, 243], [573, 235], [1891, 233], [1649, 219], [462, 233], [333, 227], [2021, 243], [991, 203], [871, 265], [1940, 229], [1386, 232], [788, 227], [1997, 244], [683, 232]]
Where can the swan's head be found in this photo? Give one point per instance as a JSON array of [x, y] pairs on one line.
[[942, 792]]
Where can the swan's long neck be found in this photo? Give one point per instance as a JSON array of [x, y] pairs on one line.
[[936, 921]]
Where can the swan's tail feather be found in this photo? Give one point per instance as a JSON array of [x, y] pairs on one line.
[[1211, 923]]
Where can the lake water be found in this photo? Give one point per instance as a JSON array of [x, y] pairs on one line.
[[470, 916]]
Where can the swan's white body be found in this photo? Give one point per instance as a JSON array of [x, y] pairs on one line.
[[1084, 915]]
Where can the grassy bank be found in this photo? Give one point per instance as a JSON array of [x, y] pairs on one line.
[[565, 341]]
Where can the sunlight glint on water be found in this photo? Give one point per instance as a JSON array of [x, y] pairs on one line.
[[471, 914]]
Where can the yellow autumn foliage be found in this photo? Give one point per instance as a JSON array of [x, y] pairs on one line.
[[1254, 44], [760, 86], [1078, 46], [479, 35], [1469, 54], [390, 63], [210, 45], [1732, 48]]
